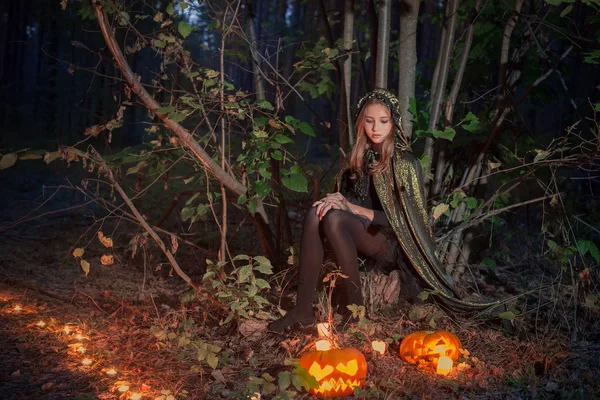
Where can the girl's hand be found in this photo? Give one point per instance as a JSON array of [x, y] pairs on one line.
[[335, 201]]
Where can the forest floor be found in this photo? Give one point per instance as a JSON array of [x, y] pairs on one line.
[[131, 319]]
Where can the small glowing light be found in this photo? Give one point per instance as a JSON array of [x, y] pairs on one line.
[[81, 349], [123, 388], [79, 336], [135, 396], [440, 349], [41, 324], [18, 308], [67, 329], [323, 345], [87, 361], [444, 365], [379, 346], [323, 329], [111, 372]]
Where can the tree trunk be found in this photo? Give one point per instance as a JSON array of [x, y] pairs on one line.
[[373, 29], [347, 67], [383, 43], [407, 60], [443, 63], [451, 101]]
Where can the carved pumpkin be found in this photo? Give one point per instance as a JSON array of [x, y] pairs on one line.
[[337, 371], [429, 346]]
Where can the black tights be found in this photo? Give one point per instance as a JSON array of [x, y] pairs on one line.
[[347, 236]]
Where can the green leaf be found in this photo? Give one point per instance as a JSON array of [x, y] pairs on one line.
[[187, 213], [262, 284], [424, 295], [552, 244], [508, 315], [177, 117], [252, 290], [265, 105], [137, 168], [242, 199], [425, 162], [212, 360], [296, 182], [161, 44], [184, 29], [448, 134], [306, 129], [412, 108], [489, 262], [472, 123], [566, 11], [277, 155], [165, 109], [244, 274], [282, 139], [471, 202], [284, 380], [170, 9], [586, 245]]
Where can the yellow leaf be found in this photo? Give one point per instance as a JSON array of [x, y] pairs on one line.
[[439, 210], [158, 17], [31, 156], [107, 259], [8, 160], [78, 252], [94, 130], [85, 266], [106, 241], [49, 157]]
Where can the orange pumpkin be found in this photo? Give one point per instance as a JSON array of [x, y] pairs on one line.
[[429, 346], [337, 371]]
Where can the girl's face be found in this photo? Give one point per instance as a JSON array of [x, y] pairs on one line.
[[378, 123]]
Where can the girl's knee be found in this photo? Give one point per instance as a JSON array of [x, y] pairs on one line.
[[333, 220]]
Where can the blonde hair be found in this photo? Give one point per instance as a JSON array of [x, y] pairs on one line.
[[362, 144]]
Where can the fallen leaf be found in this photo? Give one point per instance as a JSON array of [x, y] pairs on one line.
[[8, 160], [78, 252], [107, 259]]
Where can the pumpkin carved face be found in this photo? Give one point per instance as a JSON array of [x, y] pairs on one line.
[[429, 346], [337, 371]]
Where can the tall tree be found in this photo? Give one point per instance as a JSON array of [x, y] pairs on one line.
[[407, 60], [383, 43]]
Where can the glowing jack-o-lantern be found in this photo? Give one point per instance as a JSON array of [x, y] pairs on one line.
[[337, 371], [430, 346]]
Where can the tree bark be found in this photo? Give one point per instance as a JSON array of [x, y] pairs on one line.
[[438, 91], [347, 66], [383, 43], [407, 60]]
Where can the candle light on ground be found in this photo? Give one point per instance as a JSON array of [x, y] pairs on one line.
[[323, 345], [18, 308], [86, 361], [41, 324], [81, 349], [67, 329], [79, 336], [123, 388], [379, 346], [111, 372], [323, 329], [135, 396], [444, 365]]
